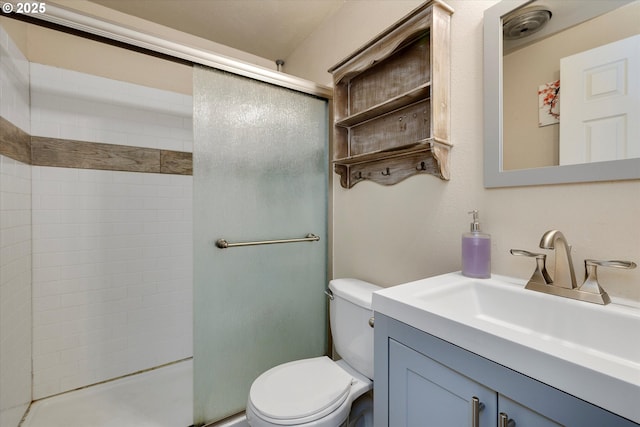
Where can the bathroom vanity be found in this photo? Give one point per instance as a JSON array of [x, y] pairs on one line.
[[445, 356]]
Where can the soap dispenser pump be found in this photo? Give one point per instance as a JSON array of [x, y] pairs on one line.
[[476, 251]]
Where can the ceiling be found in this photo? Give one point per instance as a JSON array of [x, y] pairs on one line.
[[270, 29]]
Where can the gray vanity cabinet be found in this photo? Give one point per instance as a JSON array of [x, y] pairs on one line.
[[424, 389], [525, 417], [421, 381]]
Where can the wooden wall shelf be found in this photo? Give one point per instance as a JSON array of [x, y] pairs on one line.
[[391, 102], [420, 93]]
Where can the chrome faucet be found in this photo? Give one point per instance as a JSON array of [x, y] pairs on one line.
[[563, 283], [564, 275]]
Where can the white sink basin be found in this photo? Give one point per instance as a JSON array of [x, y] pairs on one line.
[[588, 350]]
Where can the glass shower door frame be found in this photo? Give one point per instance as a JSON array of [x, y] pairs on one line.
[[260, 173]]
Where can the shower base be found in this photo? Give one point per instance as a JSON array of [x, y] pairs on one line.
[[161, 397]]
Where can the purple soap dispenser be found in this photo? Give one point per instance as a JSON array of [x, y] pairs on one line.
[[476, 251]]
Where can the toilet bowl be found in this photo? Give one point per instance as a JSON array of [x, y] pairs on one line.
[[314, 392], [319, 392], [361, 414]]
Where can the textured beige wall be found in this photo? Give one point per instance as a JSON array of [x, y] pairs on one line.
[[391, 235], [50, 47], [55, 48], [58, 49], [17, 30]]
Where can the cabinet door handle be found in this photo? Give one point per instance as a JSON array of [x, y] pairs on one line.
[[476, 407], [504, 421]]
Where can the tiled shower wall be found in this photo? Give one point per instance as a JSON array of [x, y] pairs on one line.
[[71, 105], [111, 275], [15, 244], [104, 269], [112, 251]]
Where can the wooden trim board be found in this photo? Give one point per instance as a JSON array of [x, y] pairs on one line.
[[14, 142], [64, 153]]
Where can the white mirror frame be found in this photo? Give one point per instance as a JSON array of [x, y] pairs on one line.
[[494, 175]]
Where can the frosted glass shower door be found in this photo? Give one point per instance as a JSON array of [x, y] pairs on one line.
[[260, 173]]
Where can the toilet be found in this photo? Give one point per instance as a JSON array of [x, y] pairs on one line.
[[320, 392]]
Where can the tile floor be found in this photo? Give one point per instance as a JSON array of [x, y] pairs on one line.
[[159, 398]]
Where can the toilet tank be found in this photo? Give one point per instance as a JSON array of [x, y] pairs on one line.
[[349, 313]]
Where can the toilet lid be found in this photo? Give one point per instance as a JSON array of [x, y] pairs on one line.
[[301, 389]]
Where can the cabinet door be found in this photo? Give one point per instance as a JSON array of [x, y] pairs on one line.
[[423, 393], [523, 416]]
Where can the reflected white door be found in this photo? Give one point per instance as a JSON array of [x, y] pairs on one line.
[[600, 108]]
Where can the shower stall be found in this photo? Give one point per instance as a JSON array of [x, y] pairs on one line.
[[108, 243]]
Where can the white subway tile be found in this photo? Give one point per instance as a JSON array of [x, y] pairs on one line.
[[127, 178], [187, 146], [45, 217], [97, 274], [45, 129], [45, 388], [52, 346], [57, 174], [46, 274], [173, 144], [15, 264], [92, 175], [74, 132], [45, 303], [41, 363], [41, 187], [132, 291], [12, 218]]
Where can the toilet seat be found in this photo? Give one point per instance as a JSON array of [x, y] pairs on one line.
[[300, 392]]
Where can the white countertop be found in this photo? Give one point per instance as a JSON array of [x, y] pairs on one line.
[[587, 350]]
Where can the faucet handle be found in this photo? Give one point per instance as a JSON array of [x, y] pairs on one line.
[[540, 275], [522, 252], [591, 275]]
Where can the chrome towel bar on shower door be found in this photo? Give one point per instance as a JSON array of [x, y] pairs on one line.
[[223, 244]]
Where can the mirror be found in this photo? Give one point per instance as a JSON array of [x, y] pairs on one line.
[[510, 158]]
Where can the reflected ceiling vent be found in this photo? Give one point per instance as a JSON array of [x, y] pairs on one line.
[[525, 22]]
